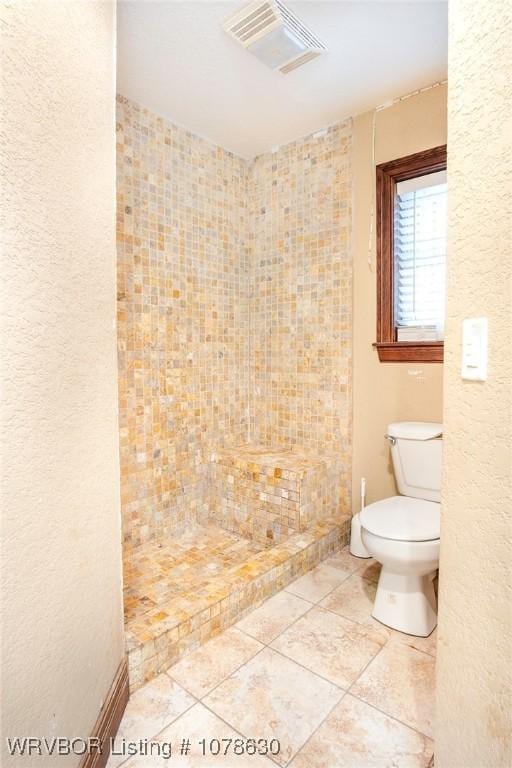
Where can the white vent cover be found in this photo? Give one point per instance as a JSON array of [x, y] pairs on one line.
[[274, 34]]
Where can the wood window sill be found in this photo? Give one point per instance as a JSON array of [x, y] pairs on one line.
[[410, 351]]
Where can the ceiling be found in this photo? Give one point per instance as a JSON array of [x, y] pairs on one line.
[[174, 58]]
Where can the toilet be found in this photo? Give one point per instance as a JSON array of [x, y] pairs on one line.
[[403, 532]]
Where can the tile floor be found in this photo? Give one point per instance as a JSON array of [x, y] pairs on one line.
[[310, 668]]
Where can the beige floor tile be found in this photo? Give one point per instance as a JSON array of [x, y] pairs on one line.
[[271, 697], [198, 723], [203, 669], [330, 646], [356, 735], [347, 562], [400, 681], [150, 709], [353, 599], [274, 616], [316, 584]]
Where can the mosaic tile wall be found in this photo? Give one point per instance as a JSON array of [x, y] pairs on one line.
[[301, 293], [234, 300], [183, 320]]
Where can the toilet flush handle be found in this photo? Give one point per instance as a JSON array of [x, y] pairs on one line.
[[390, 439]]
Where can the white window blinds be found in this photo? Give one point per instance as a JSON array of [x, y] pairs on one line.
[[420, 252]]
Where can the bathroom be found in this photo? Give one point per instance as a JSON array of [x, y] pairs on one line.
[[271, 371]]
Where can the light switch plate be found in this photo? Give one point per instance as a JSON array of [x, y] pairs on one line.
[[474, 349]]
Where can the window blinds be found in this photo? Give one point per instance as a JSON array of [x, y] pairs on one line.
[[420, 251]]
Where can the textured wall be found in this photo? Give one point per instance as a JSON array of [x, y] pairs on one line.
[[386, 392], [474, 662], [182, 316], [301, 293], [61, 581]]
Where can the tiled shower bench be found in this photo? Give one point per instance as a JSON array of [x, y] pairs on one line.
[[267, 494]]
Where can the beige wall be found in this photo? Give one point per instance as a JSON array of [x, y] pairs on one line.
[[386, 392], [474, 664], [61, 574]]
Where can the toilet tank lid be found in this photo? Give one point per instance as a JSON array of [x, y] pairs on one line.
[[415, 430]]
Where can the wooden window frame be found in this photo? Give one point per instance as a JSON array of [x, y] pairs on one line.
[[388, 175]]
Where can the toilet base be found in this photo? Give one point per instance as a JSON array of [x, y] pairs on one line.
[[406, 602]]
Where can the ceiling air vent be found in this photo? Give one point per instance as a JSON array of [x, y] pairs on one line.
[[274, 34]]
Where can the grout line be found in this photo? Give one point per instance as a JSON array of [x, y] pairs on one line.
[[267, 644], [155, 737], [227, 677], [361, 673], [202, 698], [307, 669], [268, 647], [329, 713], [330, 591], [206, 706], [219, 717], [349, 691], [391, 717], [317, 602]]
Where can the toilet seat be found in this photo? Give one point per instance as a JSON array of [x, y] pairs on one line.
[[402, 518]]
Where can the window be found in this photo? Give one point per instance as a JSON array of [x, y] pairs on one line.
[[411, 256]]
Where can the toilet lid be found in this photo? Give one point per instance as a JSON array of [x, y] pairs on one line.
[[403, 518]]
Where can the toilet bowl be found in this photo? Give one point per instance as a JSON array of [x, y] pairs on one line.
[[403, 532]]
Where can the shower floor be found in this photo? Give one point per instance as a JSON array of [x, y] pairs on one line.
[[166, 576], [180, 591]]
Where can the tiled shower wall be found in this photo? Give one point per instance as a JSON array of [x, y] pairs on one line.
[[183, 320], [234, 299], [301, 292]]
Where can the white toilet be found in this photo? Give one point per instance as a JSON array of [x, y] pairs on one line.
[[402, 532]]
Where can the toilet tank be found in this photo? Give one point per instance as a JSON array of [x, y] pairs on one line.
[[416, 450]]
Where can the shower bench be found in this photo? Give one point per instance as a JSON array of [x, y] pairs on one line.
[[267, 494]]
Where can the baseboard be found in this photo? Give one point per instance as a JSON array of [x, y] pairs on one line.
[[109, 718]]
